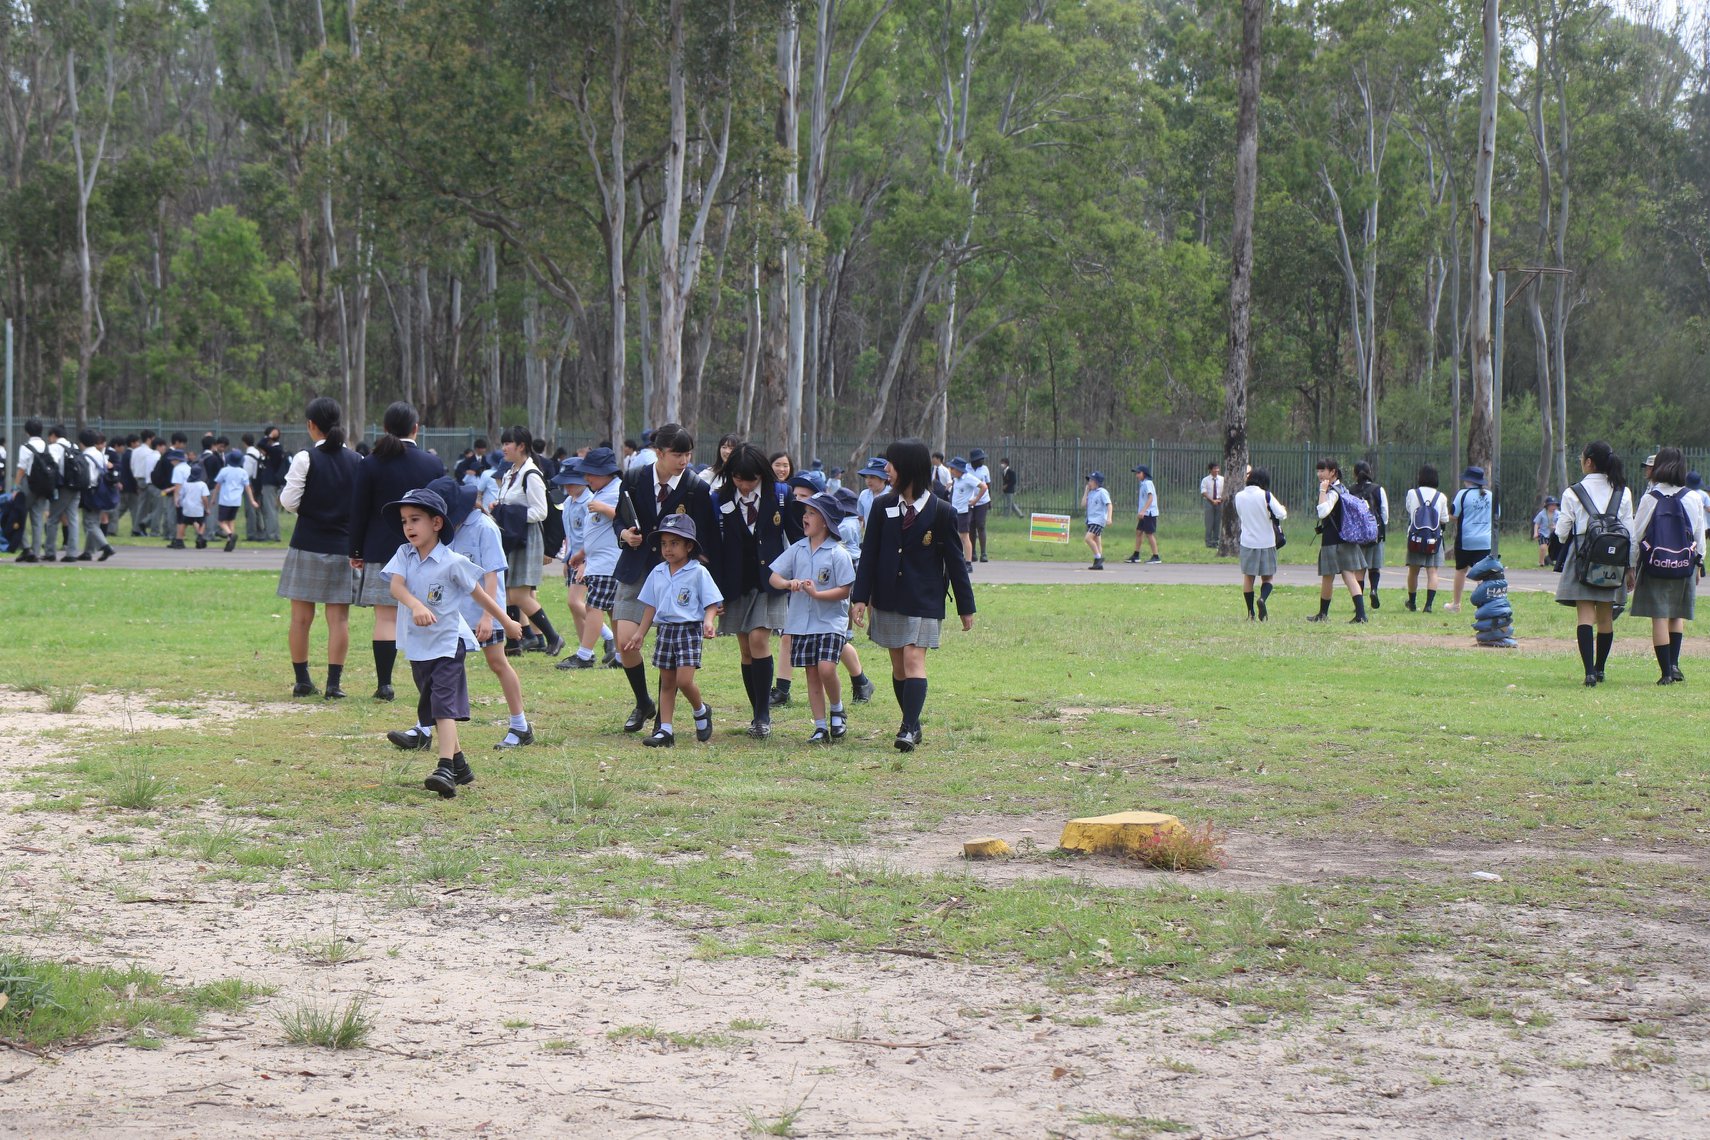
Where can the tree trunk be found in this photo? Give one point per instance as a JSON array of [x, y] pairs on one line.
[[91, 329], [1482, 444], [492, 377], [1236, 370], [673, 299]]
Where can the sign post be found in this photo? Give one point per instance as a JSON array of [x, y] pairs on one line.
[[1049, 528]]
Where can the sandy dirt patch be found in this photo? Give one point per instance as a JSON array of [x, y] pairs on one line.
[[512, 1017]]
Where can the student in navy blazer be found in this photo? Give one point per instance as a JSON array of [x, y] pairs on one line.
[[396, 467], [648, 493], [910, 558]]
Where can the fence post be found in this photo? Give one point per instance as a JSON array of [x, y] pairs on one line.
[[1078, 473]]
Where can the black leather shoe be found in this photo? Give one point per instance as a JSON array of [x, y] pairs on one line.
[[575, 662], [554, 646], [334, 693], [107, 553], [704, 734], [863, 691], [86, 556], [460, 771], [443, 781], [660, 739], [68, 558], [524, 738], [385, 693], [778, 698], [304, 689], [410, 740], [1591, 680], [820, 736], [639, 716], [533, 643], [839, 727], [907, 739], [26, 556]]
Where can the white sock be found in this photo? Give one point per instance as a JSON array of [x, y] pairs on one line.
[[605, 632], [819, 722], [425, 729], [665, 727], [703, 713], [519, 723], [585, 654]]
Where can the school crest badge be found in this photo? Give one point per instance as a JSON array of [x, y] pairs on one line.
[[436, 594], [777, 518], [683, 596], [824, 575], [682, 509], [926, 539]]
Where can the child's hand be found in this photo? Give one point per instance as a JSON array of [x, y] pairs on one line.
[[484, 628], [709, 628], [967, 622], [513, 629], [422, 615], [858, 615], [633, 645]]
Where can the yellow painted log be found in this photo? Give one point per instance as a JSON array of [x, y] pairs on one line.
[[1120, 834], [985, 849]]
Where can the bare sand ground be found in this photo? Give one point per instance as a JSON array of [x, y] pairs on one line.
[[495, 1016]]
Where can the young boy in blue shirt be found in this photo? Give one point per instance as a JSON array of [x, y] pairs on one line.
[[818, 573], [682, 597], [1095, 501], [596, 558], [964, 489], [431, 581], [191, 498]]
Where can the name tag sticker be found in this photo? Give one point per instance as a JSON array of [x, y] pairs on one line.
[[893, 512]]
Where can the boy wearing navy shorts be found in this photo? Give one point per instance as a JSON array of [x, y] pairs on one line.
[[431, 581]]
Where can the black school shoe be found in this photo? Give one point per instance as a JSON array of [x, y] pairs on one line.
[[532, 643], [611, 656], [231, 543], [1264, 614], [575, 662], [839, 727], [660, 739], [107, 553], [461, 771], [704, 734], [908, 739], [334, 693], [524, 739], [554, 646], [304, 689], [201, 544], [385, 693], [68, 558], [758, 729], [778, 698], [444, 779], [864, 690], [1591, 680], [820, 736], [410, 739], [86, 556], [639, 716], [26, 556]]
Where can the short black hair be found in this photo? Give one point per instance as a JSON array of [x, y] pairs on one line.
[[32, 426], [632, 445], [180, 437], [747, 462], [58, 430], [518, 434], [88, 438], [148, 435], [1670, 467], [248, 439], [1427, 476], [222, 442], [132, 440], [913, 465], [480, 442], [207, 441], [1260, 478], [673, 437]]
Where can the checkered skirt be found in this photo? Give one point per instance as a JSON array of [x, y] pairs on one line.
[[811, 648], [602, 591], [677, 645]]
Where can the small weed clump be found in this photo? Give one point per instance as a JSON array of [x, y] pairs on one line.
[[331, 1027], [64, 698], [136, 788], [1183, 849]]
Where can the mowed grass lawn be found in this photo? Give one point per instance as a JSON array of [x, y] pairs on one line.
[[1063, 701]]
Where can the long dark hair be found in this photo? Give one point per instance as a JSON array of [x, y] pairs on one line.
[[399, 423], [519, 434], [1362, 472], [326, 415], [913, 464], [1605, 462], [719, 461], [1260, 478]]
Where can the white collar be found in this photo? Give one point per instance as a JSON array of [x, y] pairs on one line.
[[920, 503]]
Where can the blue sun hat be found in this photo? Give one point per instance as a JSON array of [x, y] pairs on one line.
[[427, 500], [599, 461], [1473, 475], [459, 501], [958, 465], [828, 507], [1096, 477], [570, 474], [812, 480], [875, 467], [680, 525]]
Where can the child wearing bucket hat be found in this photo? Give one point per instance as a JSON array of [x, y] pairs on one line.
[[431, 581], [1095, 501], [574, 512], [818, 573], [874, 476], [1544, 529], [682, 597], [1472, 509], [595, 560]]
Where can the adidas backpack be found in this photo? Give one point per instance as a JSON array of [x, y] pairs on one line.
[[1669, 548]]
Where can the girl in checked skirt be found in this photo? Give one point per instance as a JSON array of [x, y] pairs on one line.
[[681, 596], [910, 557]]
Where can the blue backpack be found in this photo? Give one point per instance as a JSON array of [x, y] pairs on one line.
[[1359, 525], [1669, 548], [1425, 530]]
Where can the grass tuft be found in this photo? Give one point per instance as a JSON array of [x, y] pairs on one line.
[[136, 787], [327, 1027], [64, 698], [1183, 849]]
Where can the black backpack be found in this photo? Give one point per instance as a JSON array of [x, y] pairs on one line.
[[161, 477], [74, 471], [42, 480], [1604, 547]]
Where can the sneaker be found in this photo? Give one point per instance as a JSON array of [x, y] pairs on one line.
[[1153, 561], [385, 693], [1264, 614], [908, 739], [334, 693], [1411, 606], [1318, 617], [864, 690], [1133, 559], [410, 739], [575, 662], [639, 716], [107, 553], [1452, 608], [660, 739], [523, 739], [778, 698], [758, 729], [820, 736], [704, 734], [304, 689], [443, 780], [554, 645]]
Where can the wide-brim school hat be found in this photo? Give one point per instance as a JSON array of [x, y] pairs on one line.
[[680, 525], [812, 480], [422, 497], [599, 461], [875, 467], [848, 500], [977, 455], [570, 473], [1552, 501], [828, 507], [1473, 475], [1142, 469], [1096, 477], [1693, 482], [958, 464], [459, 499]]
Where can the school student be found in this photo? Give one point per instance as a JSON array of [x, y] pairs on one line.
[[232, 488], [522, 493], [1596, 517], [715, 474], [803, 486], [65, 515], [1544, 528], [1472, 509], [818, 573], [1010, 482], [95, 464], [982, 505], [1095, 502], [909, 560], [1668, 536], [1211, 496], [1260, 514], [1426, 508], [782, 466], [574, 510], [432, 582], [38, 475], [1377, 500], [476, 537], [143, 456], [317, 562], [597, 560], [192, 503], [1336, 556], [757, 524], [873, 475], [1146, 522], [682, 597], [964, 489]]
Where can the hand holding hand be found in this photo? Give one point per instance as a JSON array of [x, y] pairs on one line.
[[513, 629], [858, 615]]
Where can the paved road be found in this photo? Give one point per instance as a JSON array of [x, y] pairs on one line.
[[271, 558]]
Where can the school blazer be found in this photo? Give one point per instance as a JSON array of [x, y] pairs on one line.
[[635, 563], [373, 537], [779, 527], [909, 572]]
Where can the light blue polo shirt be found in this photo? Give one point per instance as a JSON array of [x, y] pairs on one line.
[[827, 568], [1147, 491], [984, 475], [849, 533], [442, 582], [193, 499], [1098, 507], [599, 539], [575, 509], [231, 481], [963, 492], [480, 541], [680, 597]]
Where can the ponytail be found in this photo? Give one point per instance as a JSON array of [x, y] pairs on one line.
[[325, 414], [1606, 463], [399, 423]]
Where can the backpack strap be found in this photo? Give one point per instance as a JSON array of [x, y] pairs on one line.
[[1585, 500]]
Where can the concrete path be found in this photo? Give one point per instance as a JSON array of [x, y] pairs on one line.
[[272, 557]]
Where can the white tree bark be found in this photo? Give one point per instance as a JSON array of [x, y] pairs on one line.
[[1482, 442]]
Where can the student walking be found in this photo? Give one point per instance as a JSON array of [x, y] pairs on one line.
[[1544, 529], [1261, 518], [1095, 502], [317, 569], [432, 583], [1344, 524], [1667, 551], [909, 560], [1597, 517], [232, 490], [1472, 509], [964, 489], [1377, 500], [597, 560], [981, 507], [817, 574], [520, 508], [1010, 482], [1146, 524], [1426, 509], [97, 480], [757, 524], [681, 595]]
